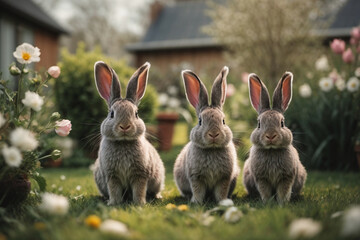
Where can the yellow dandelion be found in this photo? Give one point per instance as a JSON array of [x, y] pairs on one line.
[[170, 206], [183, 207], [93, 221], [39, 226]]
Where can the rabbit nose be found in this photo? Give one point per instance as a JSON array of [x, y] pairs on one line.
[[271, 137], [213, 135], [124, 128]]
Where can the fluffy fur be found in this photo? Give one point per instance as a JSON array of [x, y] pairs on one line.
[[128, 166], [207, 166], [273, 166]]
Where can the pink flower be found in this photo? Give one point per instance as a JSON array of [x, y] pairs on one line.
[[244, 77], [348, 56], [54, 71], [230, 90], [63, 127], [355, 33], [337, 46], [353, 41]]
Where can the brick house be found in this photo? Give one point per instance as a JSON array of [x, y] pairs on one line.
[[24, 21], [175, 35]]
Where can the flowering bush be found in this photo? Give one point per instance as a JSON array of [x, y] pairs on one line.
[[21, 134], [325, 114]]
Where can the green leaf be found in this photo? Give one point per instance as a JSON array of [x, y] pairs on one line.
[[41, 182]]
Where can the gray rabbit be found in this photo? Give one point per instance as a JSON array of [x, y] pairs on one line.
[[128, 166], [273, 166], [207, 166]]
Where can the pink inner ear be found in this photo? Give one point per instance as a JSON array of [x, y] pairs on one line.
[[286, 92], [103, 81], [255, 92], [192, 87], [141, 84]]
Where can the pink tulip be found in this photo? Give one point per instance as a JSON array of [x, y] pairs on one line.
[[63, 127], [337, 46], [54, 71], [348, 56], [244, 77], [230, 90], [355, 33], [353, 41]]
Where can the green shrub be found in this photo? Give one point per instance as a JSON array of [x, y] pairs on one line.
[[77, 98]]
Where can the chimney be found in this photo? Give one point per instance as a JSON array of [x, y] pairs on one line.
[[155, 10]]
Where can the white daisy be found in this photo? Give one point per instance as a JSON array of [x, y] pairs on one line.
[[27, 53], [305, 90], [326, 84], [322, 64], [340, 84], [33, 100], [114, 228], [353, 84], [351, 222], [226, 202], [12, 156], [304, 227], [23, 139], [54, 204], [232, 215]]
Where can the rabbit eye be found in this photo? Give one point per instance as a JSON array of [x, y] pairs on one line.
[[136, 114], [224, 121], [200, 121], [112, 114], [282, 123], [258, 124]]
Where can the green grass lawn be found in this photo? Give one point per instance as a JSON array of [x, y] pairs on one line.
[[325, 193]]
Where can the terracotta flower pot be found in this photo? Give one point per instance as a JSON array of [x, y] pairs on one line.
[[166, 125], [14, 190]]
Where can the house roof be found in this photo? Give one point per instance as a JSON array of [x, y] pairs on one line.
[[28, 11], [179, 25]]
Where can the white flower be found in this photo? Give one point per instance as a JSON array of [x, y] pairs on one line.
[[232, 215], [2, 120], [353, 84], [357, 72], [226, 202], [163, 98], [351, 222], [27, 53], [172, 90], [33, 100], [78, 188], [304, 227], [114, 228], [305, 90], [23, 139], [60, 189], [62, 177], [322, 64], [326, 84], [66, 146], [340, 84], [174, 102], [12, 156], [53, 186], [54, 204]]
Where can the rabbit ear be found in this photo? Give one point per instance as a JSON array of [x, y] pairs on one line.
[[283, 92], [137, 83], [259, 95], [195, 90], [218, 92], [107, 82]]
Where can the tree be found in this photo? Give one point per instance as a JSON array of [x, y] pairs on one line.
[[268, 37]]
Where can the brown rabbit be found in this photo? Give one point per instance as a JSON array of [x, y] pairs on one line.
[[128, 165], [207, 166], [273, 167]]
